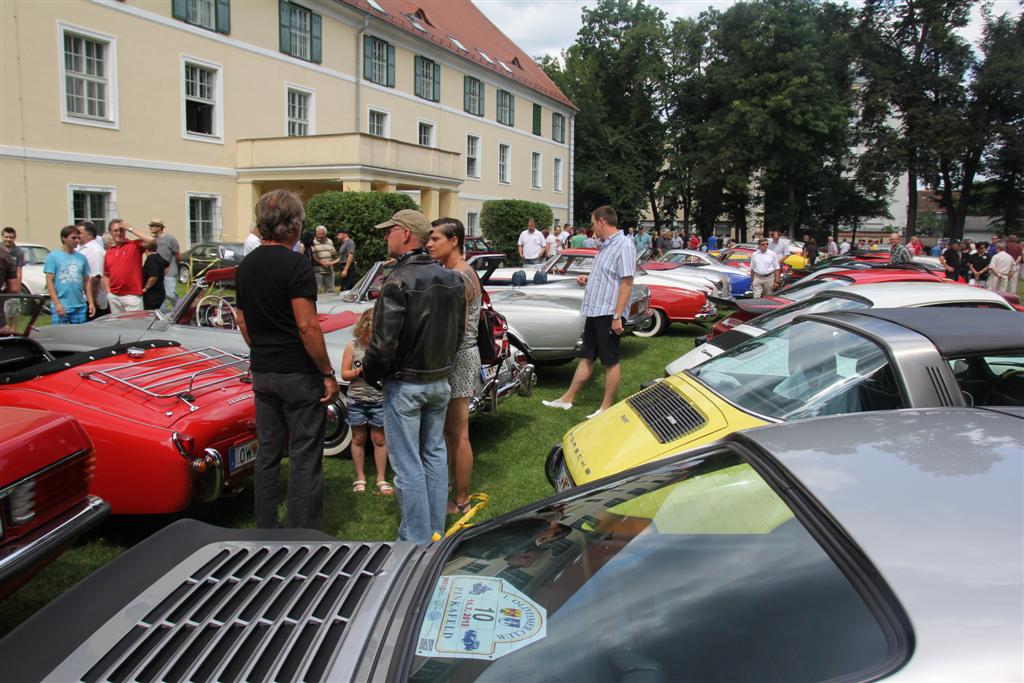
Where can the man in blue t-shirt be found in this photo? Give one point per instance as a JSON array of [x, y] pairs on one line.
[[713, 242], [68, 282]]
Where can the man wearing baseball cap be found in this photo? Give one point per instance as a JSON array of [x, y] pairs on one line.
[[418, 324], [169, 249]]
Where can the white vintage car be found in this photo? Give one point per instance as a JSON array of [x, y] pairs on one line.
[[855, 297]]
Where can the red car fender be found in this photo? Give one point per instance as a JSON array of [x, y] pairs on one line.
[[677, 304]]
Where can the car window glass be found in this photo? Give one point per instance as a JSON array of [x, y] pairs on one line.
[[694, 572], [785, 315], [35, 254], [805, 290], [807, 369], [572, 264], [996, 380]]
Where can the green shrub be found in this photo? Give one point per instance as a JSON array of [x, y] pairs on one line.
[[501, 221], [357, 213]]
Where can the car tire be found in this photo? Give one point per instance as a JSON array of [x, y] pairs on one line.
[[657, 324], [184, 275], [338, 433]]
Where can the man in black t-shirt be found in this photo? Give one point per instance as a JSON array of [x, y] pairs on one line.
[[951, 260], [292, 376]]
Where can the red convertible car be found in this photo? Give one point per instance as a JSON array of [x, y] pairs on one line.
[[170, 426], [46, 463]]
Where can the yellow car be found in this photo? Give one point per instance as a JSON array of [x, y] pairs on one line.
[[819, 365]]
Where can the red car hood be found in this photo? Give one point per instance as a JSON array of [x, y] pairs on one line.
[[32, 439]]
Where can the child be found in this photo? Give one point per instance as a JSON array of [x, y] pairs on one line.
[[365, 409]]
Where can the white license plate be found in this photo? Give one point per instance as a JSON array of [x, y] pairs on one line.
[[241, 455], [562, 481]]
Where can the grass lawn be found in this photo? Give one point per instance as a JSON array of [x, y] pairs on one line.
[[510, 450]]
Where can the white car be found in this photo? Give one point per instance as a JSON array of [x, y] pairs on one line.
[[854, 297], [33, 280]]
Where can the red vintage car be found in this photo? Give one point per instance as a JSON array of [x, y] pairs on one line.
[[170, 426], [751, 308], [46, 463]]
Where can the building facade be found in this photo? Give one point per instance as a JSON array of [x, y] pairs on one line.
[[191, 109]]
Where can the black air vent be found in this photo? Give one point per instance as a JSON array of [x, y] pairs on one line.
[[665, 412], [254, 613]]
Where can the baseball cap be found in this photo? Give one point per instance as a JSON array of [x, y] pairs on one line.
[[413, 221], [159, 222]]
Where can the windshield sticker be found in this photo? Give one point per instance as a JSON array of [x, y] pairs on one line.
[[474, 617]]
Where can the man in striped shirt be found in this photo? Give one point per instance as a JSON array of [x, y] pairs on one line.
[[605, 301]]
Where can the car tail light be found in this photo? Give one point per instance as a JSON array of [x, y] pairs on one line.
[[185, 443], [90, 468], [22, 502]]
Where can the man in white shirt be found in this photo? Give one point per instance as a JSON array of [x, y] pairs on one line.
[[764, 266], [779, 245], [532, 246], [252, 240], [552, 241], [564, 233], [91, 247], [832, 249], [999, 269], [844, 247]]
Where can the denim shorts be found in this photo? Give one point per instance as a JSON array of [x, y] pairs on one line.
[[75, 316], [359, 413]]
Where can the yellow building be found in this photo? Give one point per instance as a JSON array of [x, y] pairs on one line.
[[190, 109]]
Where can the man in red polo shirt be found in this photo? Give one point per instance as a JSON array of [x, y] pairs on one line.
[[122, 267]]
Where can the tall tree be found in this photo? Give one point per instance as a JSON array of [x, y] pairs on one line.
[[913, 58]]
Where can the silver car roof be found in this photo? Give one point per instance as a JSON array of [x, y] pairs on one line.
[[934, 498]]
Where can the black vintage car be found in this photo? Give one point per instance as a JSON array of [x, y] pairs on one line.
[[208, 256]]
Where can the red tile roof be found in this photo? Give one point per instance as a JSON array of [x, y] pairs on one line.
[[460, 19]]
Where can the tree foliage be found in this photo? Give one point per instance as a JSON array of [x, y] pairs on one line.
[[501, 221], [357, 213]]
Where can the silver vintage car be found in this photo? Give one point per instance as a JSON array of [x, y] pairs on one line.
[[204, 317], [876, 546]]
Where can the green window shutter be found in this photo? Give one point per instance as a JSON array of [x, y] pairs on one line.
[[511, 109], [315, 38], [178, 9], [536, 119], [480, 105], [223, 16], [417, 63], [368, 58], [437, 82], [391, 66], [286, 26], [466, 105]]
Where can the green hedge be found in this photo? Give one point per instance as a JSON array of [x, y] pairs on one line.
[[357, 213], [501, 221]]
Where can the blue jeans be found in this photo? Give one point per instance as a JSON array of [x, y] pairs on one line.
[[414, 428]]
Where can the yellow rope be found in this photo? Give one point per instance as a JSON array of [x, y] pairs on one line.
[[480, 501]]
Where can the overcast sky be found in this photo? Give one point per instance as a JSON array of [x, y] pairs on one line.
[[548, 26]]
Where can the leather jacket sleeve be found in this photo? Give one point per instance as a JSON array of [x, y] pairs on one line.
[[388, 319]]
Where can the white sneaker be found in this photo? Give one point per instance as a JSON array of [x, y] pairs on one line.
[[594, 414], [557, 404]]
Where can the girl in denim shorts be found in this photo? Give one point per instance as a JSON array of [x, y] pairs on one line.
[[365, 409]]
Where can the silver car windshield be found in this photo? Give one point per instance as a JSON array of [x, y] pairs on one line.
[[807, 369], [698, 571], [787, 314], [805, 290]]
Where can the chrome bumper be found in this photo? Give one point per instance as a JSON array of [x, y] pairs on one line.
[[25, 552], [498, 388], [635, 321], [711, 314]]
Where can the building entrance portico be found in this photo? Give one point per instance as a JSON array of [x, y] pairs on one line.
[[356, 162]]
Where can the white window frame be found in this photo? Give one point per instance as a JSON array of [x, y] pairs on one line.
[[294, 9], [387, 120], [311, 93], [433, 132], [217, 137], [473, 226], [218, 228], [107, 189], [537, 170], [508, 163], [379, 68], [479, 155], [213, 14], [110, 59], [508, 107], [557, 171]]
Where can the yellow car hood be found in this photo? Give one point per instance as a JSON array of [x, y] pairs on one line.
[[620, 438]]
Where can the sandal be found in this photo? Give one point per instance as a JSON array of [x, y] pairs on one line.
[[359, 486], [459, 509], [384, 488]]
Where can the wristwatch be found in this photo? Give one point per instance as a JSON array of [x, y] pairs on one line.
[[327, 375]]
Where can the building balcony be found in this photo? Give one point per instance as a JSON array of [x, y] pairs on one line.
[[355, 159]]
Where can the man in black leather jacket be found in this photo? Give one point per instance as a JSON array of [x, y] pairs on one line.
[[418, 324]]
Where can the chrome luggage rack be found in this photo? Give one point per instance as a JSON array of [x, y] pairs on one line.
[[156, 383]]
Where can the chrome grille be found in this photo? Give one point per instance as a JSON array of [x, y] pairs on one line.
[[253, 612], [665, 412]]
